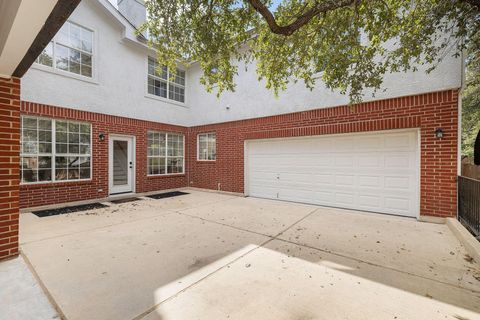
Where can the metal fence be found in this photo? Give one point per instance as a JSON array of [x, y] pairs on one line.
[[469, 204]]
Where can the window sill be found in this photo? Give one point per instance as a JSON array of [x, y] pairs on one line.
[[154, 97], [62, 73], [207, 161], [53, 183], [170, 175]]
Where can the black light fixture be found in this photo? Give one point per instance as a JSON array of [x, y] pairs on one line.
[[439, 133], [101, 136]]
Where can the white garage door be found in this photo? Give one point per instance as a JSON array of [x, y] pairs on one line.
[[366, 171]]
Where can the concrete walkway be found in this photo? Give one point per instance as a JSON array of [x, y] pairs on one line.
[[213, 256], [21, 297]]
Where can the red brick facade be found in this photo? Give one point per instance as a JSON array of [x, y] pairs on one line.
[[32, 195], [426, 111], [9, 165]]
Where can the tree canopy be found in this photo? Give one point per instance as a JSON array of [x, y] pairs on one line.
[[340, 42]]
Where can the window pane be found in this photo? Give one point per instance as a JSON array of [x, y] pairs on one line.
[[87, 40], [61, 126], [202, 147], [45, 124], [73, 49], [180, 77], [75, 36], [61, 148], [73, 138], [29, 123], [62, 36], [45, 175], [61, 165], [86, 71], [46, 57], [175, 165], [44, 148], [85, 128], [29, 169], [73, 168], [61, 137], [61, 57], [176, 93]]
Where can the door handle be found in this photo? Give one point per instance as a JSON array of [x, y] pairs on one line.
[[131, 164]]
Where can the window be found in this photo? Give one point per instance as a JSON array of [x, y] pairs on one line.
[[165, 153], [71, 50], [207, 146], [160, 84], [54, 150]]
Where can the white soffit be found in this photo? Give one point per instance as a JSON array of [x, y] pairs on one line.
[[20, 23]]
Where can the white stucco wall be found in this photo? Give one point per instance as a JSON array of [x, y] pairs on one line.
[[120, 81], [251, 99], [119, 87]]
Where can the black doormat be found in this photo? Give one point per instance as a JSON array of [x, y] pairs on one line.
[[167, 194], [125, 200], [65, 210]]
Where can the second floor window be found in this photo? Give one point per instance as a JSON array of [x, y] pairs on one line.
[[71, 50], [160, 84]]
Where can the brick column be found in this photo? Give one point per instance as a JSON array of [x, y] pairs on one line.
[[9, 165]]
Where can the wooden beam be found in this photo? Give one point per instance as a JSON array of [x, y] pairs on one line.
[[60, 13]]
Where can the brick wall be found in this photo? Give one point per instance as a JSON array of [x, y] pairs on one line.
[[58, 192], [9, 165], [426, 111]]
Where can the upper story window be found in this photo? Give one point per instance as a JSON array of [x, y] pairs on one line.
[[71, 50], [207, 146], [160, 84], [54, 150]]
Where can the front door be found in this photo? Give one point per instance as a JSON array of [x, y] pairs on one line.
[[121, 166]]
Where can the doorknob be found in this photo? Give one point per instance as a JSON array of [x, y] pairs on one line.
[[131, 164]]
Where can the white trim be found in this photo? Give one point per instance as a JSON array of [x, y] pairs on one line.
[[131, 140], [53, 69], [166, 99], [418, 158], [166, 155], [54, 154], [198, 147]]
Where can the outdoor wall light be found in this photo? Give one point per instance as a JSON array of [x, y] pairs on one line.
[[439, 133], [101, 136]]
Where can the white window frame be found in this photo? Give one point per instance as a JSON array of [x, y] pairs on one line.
[[166, 154], [168, 81], [55, 70], [54, 151], [198, 146]]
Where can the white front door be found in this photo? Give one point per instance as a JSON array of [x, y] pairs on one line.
[[376, 171], [121, 164]]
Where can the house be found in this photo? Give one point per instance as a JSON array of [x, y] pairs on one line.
[[24, 27], [98, 120]]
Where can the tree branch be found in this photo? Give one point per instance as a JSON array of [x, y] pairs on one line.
[[324, 6], [475, 3]]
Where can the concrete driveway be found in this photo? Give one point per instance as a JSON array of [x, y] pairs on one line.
[[213, 256]]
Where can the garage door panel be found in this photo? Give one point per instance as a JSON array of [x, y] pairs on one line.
[[368, 171]]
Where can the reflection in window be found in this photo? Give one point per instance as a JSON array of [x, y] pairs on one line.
[[54, 146], [165, 153], [70, 50]]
